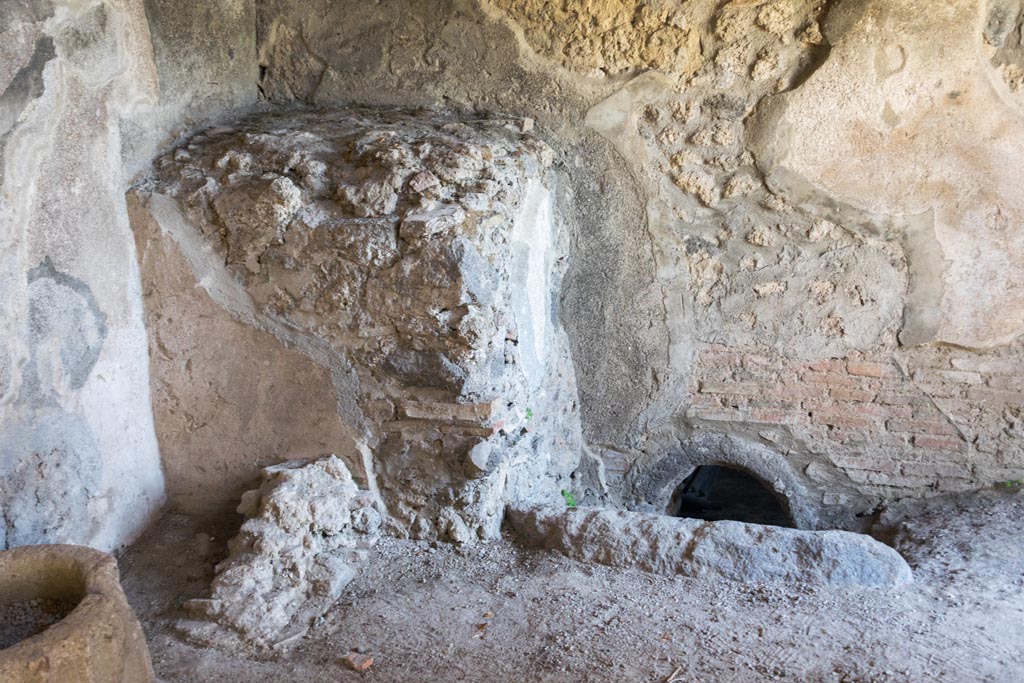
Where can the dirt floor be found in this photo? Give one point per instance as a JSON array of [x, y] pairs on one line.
[[498, 613]]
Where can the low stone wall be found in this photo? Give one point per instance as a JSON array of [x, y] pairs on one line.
[[690, 547]]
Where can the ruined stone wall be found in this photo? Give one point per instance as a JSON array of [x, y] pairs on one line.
[[788, 220], [412, 258], [88, 92]]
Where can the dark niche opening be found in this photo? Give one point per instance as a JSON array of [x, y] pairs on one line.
[[714, 493]]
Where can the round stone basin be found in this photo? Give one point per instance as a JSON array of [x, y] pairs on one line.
[[94, 635]]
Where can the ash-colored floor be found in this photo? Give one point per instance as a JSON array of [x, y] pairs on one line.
[[501, 614]]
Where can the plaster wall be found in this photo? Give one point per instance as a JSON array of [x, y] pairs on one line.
[[83, 106]]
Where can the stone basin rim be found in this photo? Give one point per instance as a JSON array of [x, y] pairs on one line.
[[94, 597]]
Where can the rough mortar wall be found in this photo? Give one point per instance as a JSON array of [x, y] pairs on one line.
[[734, 272], [749, 240], [411, 257]]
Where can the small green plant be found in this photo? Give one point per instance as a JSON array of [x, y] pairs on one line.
[[1011, 484], [529, 413], [570, 500]]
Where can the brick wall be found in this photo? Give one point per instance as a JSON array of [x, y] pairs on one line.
[[894, 424]]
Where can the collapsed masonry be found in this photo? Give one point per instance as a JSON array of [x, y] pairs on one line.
[[307, 530], [414, 256]]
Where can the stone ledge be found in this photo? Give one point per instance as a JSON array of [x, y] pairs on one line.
[[695, 548]]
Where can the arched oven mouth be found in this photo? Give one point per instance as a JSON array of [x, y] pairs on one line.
[[719, 492]]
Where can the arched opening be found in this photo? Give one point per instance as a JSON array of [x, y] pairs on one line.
[[715, 492]]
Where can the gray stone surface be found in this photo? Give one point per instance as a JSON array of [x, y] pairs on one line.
[[690, 547], [307, 529]]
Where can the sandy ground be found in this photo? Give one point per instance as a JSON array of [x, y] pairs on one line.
[[499, 613]]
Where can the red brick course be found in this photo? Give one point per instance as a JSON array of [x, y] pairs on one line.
[[924, 422]]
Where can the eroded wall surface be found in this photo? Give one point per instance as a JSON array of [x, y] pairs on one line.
[[795, 240], [790, 220], [82, 107], [414, 260]]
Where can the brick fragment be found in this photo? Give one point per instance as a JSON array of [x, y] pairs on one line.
[[825, 365], [448, 412], [841, 419], [357, 662], [799, 391], [938, 443], [720, 415], [895, 398], [777, 417], [851, 394], [921, 426], [879, 411], [830, 378], [734, 388], [870, 369]]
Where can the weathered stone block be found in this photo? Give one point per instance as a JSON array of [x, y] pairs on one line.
[[690, 547]]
